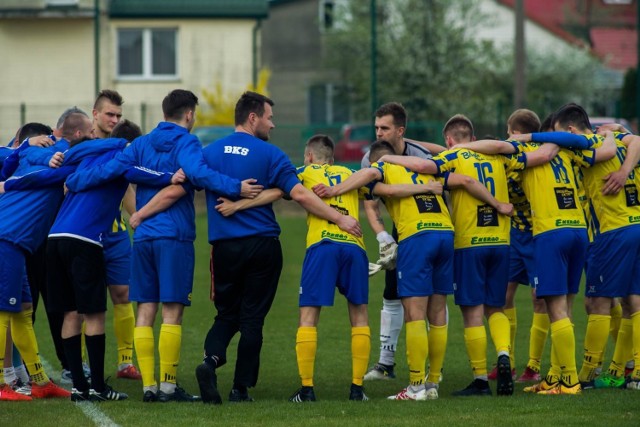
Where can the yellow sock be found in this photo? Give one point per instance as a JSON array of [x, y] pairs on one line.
[[25, 339], [417, 350], [537, 338], [511, 314], [123, 324], [438, 336], [595, 341], [475, 339], [306, 346], [635, 332], [622, 353], [169, 351], [500, 332], [360, 350], [5, 317], [145, 350], [564, 344], [616, 319]]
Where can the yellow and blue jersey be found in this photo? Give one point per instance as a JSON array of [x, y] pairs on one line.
[[614, 211], [418, 213], [521, 219], [552, 191], [476, 223], [347, 204]]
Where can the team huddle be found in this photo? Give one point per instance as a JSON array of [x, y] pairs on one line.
[[473, 219]]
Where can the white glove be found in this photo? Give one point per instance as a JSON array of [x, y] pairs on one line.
[[374, 268], [388, 251]]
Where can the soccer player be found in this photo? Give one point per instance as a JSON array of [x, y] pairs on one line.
[[521, 258], [481, 251], [333, 259], [246, 255], [163, 250], [76, 267], [423, 224], [107, 113], [390, 125]]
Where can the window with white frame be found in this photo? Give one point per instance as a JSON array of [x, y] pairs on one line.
[[147, 53]]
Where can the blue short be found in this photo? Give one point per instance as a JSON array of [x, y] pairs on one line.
[[329, 265], [481, 275], [14, 287], [613, 267], [425, 264], [559, 257], [162, 271], [521, 257], [117, 255]]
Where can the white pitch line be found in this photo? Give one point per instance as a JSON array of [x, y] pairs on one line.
[[91, 410]]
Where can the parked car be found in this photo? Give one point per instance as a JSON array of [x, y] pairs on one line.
[[209, 134], [353, 143]]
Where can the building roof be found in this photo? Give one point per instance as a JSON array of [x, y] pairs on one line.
[[188, 9], [609, 30]]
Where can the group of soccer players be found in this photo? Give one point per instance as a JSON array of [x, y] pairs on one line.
[[468, 219], [558, 194]]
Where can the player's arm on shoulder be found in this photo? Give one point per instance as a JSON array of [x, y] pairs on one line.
[[543, 155], [407, 190], [413, 163], [355, 181], [162, 201], [607, 150], [479, 191], [432, 147], [615, 181], [228, 207], [314, 205], [488, 146]]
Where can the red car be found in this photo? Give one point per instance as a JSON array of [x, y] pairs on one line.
[[354, 142]]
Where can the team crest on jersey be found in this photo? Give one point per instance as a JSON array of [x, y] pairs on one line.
[[565, 198], [12, 301], [232, 149], [631, 194], [427, 203], [487, 216]]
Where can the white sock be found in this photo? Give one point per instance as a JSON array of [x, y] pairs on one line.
[[22, 374], [9, 375], [168, 388], [391, 319]]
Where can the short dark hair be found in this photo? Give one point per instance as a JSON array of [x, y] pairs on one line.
[[459, 127], [378, 149], [547, 123], [524, 121], [110, 95], [71, 124], [396, 110], [250, 102], [33, 129], [322, 146], [572, 114], [126, 129], [177, 103], [66, 113]]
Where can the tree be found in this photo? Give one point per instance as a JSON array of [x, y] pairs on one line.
[[430, 60], [219, 104]]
